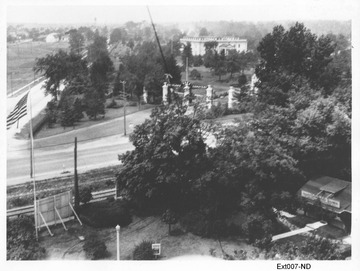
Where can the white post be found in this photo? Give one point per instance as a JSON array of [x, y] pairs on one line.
[[118, 242], [209, 96], [231, 97], [145, 95], [186, 92], [165, 93]]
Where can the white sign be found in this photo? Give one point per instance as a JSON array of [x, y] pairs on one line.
[[156, 249], [331, 202]]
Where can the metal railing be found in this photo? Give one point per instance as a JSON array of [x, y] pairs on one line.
[[27, 210]]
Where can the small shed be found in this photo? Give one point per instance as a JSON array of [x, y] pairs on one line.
[[332, 195]]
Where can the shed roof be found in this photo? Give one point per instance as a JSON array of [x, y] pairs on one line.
[[335, 189]]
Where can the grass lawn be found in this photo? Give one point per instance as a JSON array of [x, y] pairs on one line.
[[110, 113], [209, 79], [21, 59]]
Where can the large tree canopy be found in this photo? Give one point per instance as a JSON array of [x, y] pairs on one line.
[[296, 52], [169, 157], [59, 67]]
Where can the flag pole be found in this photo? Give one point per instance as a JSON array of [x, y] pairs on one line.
[[32, 166]]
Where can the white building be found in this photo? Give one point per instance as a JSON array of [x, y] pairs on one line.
[[52, 37], [224, 43]]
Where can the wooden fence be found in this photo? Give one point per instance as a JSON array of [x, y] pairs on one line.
[[28, 210]]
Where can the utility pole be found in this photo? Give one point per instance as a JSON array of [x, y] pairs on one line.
[[123, 82], [76, 183], [187, 70]]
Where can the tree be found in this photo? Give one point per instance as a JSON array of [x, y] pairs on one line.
[[60, 68], [101, 72], [51, 113], [219, 64], [94, 104], [117, 35], [98, 48], [203, 32], [210, 45], [198, 61], [195, 74], [169, 218], [66, 111], [232, 62], [145, 68], [54, 68], [169, 156], [77, 41], [21, 242], [294, 52], [187, 54]]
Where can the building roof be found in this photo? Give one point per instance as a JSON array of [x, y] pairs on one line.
[[334, 194]]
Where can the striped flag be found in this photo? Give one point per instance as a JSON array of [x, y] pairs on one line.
[[19, 111]]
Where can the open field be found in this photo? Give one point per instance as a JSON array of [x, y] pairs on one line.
[[21, 59], [209, 79]]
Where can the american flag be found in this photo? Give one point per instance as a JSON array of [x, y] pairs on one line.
[[19, 111]]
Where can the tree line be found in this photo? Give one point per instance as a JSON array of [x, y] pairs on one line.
[[88, 74]]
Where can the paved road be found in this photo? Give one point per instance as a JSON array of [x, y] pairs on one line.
[[51, 162]]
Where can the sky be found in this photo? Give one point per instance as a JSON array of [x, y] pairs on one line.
[[110, 12]]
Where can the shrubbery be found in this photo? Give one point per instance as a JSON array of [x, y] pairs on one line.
[[312, 248], [21, 241], [257, 227], [112, 104], [106, 214], [143, 251], [20, 201], [195, 74], [85, 194], [94, 247]]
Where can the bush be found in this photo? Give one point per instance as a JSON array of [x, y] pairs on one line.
[[94, 247], [106, 214], [112, 104], [216, 111], [85, 194], [19, 201], [132, 103], [143, 251], [256, 227], [21, 241], [196, 223], [198, 61], [264, 243], [195, 74]]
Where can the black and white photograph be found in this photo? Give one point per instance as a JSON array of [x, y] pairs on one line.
[[188, 134]]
